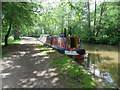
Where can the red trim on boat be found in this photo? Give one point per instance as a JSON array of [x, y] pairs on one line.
[[76, 56]]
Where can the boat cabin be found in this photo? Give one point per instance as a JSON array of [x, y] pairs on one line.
[[73, 42]]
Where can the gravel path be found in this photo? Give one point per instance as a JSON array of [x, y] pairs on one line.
[[26, 67]]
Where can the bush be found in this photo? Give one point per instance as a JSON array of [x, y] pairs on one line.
[[90, 39], [11, 38], [104, 40], [113, 40]]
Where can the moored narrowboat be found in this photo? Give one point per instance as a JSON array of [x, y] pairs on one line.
[[70, 45]]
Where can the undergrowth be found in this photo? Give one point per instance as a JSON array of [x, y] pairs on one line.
[[12, 42]]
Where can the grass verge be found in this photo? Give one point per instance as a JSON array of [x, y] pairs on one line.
[[65, 66], [12, 42]]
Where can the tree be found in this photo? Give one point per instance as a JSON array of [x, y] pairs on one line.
[[100, 25], [88, 15], [16, 15], [94, 29], [102, 5]]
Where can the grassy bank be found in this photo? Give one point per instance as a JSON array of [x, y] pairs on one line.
[[67, 67], [11, 41]]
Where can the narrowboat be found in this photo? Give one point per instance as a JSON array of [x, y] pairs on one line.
[[69, 45]]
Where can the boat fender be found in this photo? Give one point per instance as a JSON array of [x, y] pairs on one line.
[[80, 51]]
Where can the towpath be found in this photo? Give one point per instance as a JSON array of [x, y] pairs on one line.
[[25, 66]]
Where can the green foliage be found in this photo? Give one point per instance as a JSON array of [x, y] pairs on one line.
[[12, 41], [43, 50], [88, 87], [21, 16], [103, 40], [74, 15], [33, 19], [11, 38], [113, 40]]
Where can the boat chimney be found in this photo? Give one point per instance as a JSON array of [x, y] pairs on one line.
[[65, 32]]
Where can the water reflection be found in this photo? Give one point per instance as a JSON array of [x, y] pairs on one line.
[[102, 61]]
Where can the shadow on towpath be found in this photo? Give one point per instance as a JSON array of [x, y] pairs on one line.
[[24, 66]]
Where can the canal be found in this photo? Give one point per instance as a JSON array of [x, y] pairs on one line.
[[102, 61]]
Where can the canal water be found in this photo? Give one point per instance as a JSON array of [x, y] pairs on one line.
[[102, 61]]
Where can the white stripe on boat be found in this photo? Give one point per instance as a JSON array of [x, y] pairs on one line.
[[71, 53]]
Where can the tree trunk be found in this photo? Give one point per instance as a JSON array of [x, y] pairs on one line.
[[70, 30], [9, 29], [94, 20], [100, 23], [88, 15], [7, 35]]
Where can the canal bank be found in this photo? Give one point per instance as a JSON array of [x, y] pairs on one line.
[[59, 61]]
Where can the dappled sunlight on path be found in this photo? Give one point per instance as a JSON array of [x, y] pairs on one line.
[[28, 67], [29, 40]]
